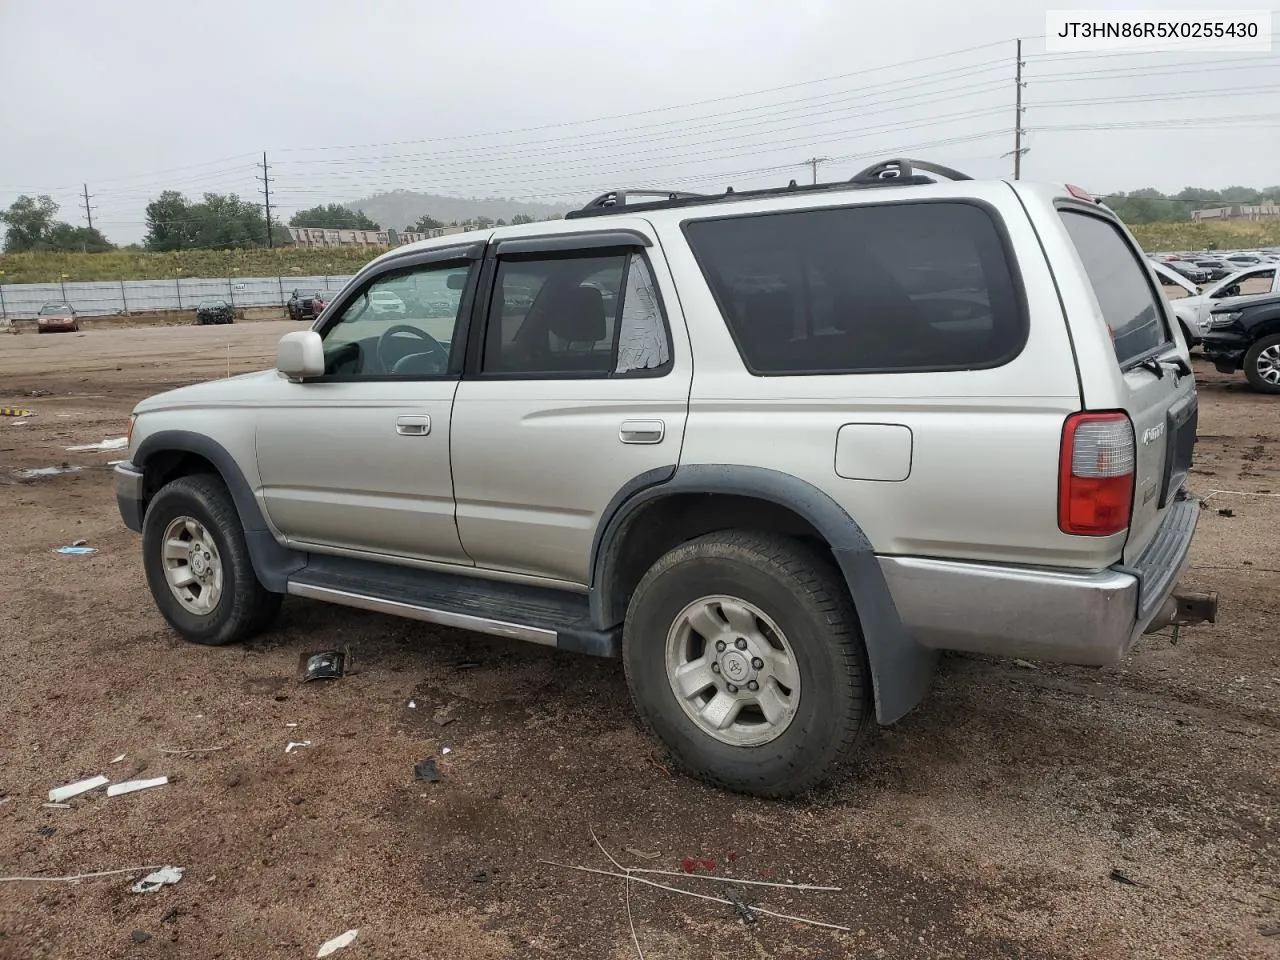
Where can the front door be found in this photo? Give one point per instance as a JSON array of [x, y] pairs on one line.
[[358, 460], [578, 387]]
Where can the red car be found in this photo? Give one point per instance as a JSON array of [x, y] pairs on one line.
[[57, 316]]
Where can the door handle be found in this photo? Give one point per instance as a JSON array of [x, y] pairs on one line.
[[642, 431], [413, 426]]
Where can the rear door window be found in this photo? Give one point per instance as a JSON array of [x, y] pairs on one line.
[[1129, 303], [883, 288]]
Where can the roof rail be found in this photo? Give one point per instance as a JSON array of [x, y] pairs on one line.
[[898, 172], [615, 199], [901, 168]]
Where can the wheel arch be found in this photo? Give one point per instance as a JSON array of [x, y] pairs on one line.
[[169, 454], [651, 515]]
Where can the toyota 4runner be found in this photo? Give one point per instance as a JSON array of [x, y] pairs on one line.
[[776, 449]]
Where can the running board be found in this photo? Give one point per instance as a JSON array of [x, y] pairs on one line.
[[552, 618]]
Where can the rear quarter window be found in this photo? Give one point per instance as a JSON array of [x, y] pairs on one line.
[[1129, 303], [883, 288]]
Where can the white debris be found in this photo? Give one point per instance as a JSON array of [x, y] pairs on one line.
[[57, 806], [296, 745], [117, 759], [337, 943], [447, 750], [154, 881], [117, 443], [59, 794], [129, 786], [412, 705]]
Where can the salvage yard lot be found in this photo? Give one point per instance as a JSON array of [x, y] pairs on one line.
[[985, 824]]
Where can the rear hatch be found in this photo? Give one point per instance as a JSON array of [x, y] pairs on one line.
[[1155, 385]]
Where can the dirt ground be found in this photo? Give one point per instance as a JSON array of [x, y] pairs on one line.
[[986, 824]]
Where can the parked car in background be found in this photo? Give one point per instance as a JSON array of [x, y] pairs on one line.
[[1189, 270], [385, 303], [1245, 335], [57, 316], [215, 311], [1193, 308], [307, 306]]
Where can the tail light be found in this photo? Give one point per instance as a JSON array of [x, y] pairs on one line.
[[1095, 474]]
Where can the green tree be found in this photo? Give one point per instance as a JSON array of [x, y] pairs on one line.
[[426, 223], [521, 218], [217, 222], [30, 223], [333, 216], [63, 236]]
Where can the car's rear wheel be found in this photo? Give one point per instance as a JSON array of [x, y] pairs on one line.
[[743, 655], [198, 565], [1262, 364]]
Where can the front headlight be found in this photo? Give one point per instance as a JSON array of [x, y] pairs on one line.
[[1219, 320]]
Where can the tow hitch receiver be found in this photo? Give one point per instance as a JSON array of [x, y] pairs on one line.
[[1185, 609]]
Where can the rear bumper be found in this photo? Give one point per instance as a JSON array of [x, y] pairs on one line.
[[1057, 615], [130, 497]]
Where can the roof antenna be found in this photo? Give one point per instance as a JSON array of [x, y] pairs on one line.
[[728, 190], [791, 185]]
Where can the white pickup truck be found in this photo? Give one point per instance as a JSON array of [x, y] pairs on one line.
[[1193, 304]]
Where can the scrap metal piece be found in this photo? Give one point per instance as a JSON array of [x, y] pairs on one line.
[[740, 904]]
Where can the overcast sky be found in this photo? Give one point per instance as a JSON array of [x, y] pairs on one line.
[[558, 100]]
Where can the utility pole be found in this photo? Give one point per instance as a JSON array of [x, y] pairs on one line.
[[1017, 121], [813, 164], [88, 210], [266, 192]]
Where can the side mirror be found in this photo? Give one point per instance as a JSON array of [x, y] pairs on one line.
[[300, 355]]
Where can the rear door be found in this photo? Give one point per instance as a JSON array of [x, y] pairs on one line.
[[1158, 397]]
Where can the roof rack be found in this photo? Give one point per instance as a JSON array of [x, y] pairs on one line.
[[899, 172]]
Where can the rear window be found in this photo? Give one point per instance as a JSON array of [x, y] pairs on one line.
[[890, 288], [1120, 283]]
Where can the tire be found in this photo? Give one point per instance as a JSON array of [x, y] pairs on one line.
[[804, 597], [1262, 361], [240, 606]]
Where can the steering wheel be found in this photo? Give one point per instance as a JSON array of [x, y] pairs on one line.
[[434, 349]]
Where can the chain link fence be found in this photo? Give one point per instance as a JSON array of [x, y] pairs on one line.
[[104, 298]]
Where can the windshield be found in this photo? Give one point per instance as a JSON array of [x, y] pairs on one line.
[[54, 309]]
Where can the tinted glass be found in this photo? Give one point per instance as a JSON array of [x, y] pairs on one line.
[[1120, 284], [575, 316], [888, 288]]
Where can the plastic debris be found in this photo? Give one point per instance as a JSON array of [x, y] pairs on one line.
[[35, 472], [413, 705], [1024, 664], [117, 759], [57, 806], [296, 745], [59, 794], [447, 750], [129, 786], [14, 412], [323, 665], [337, 943], [76, 551], [116, 443], [154, 881], [80, 543], [1226, 512], [427, 772]]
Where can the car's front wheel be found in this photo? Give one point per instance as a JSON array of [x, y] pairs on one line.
[[1262, 364], [198, 565], [743, 655]]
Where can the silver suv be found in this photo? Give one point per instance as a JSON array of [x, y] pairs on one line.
[[776, 449]]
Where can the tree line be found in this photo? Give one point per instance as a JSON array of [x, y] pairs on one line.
[[1149, 205]]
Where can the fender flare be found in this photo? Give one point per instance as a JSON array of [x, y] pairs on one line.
[[272, 562], [901, 669]]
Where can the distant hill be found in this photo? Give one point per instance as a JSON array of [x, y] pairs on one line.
[[400, 208]]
